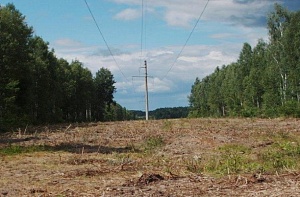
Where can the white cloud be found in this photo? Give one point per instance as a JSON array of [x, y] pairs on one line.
[[157, 85], [128, 14], [70, 46], [246, 13]]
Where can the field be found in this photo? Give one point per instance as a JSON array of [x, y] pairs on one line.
[[184, 157]]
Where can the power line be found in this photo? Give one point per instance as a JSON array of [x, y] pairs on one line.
[[111, 54], [179, 54], [142, 28]]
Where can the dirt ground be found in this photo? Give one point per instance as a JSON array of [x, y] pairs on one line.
[[139, 158]]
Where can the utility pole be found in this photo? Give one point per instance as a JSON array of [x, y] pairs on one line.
[[146, 92], [146, 89]]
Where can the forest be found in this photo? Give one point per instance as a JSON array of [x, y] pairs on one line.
[[162, 113], [264, 81], [36, 87]]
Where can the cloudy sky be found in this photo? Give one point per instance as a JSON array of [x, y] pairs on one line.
[[152, 30]]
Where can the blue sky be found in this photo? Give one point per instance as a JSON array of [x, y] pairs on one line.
[[217, 40]]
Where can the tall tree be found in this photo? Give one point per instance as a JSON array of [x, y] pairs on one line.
[[45, 86], [199, 98], [278, 21], [80, 88], [244, 66], [291, 41], [14, 71], [104, 90], [253, 82]]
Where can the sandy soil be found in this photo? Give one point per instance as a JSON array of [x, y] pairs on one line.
[[119, 159]]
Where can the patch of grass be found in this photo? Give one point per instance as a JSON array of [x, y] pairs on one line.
[[167, 125], [16, 149], [238, 159], [234, 158], [153, 142], [229, 159], [281, 156]]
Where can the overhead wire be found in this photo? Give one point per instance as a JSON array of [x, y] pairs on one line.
[[142, 29], [110, 52], [187, 40]]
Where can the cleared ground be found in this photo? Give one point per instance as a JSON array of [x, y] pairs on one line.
[[185, 157]]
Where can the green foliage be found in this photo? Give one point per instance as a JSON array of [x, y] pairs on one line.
[[170, 113], [104, 89], [250, 112], [162, 113], [14, 70], [290, 109], [264, 82], [38, 88]]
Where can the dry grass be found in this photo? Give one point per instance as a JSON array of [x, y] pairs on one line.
[[185, 157]]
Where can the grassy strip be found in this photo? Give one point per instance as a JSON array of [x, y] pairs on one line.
[[16, 149], [239, 159]]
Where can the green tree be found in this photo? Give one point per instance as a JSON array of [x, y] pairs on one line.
[[104, 90], [253, 86], [14, 70], [291, 41], [80, 90], [263, 82], [198, 98], [230, 90], [215, 94], [243, 70], [278, 21], [45, 88]]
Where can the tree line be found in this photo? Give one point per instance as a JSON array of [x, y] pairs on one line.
[[162, 113], [263, 82], [36, 87]]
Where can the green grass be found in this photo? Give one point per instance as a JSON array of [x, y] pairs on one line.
[[152, 143], [282, 156], [16, 149]]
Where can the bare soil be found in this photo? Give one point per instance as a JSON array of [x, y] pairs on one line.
[[119, 159]]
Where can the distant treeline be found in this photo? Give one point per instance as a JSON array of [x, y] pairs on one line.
[[265, 80], [38, 88], [163, 113]]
